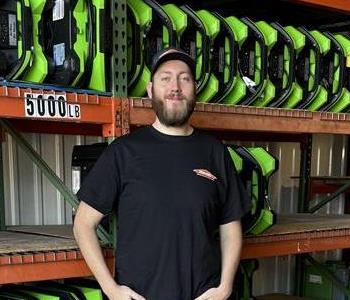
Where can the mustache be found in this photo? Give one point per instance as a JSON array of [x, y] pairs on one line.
[[176, 95]]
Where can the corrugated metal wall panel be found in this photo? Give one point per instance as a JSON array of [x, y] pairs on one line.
[[30, 198]]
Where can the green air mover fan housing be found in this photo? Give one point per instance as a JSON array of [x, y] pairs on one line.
[[224, 62], [237, 91], [102, 46], [255, 166], [253, 63], [16, 39], [139, 16], [281, 66], [333, 74], [64, 38], [212, 25], [195, 40], [299, 41], [41, 65], [308, 72], [343, 103], [270, 36], [320, 98], [158, 34]]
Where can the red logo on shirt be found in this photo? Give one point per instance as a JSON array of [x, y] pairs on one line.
[[205, 173]]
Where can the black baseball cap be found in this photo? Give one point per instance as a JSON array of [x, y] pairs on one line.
[[172, 53]]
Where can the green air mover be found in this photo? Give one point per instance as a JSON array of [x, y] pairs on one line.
[[102, 46], [58, 26], [307, 71], [236, 87], [212, 25], [84, 283], [253, 63], [41, 64], [299, 41], [159, 33], [66, 40], [344, 41], [255, 166], [333, 74], [270, 37], [77, 292], [320, 98], [139, 16], [195, 40], [34, 292], [15, 295], [281, 66], [224, 59], [16, 39]]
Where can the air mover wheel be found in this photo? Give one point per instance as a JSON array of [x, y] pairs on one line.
[[16, 39]]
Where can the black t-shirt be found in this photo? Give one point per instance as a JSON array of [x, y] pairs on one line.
[[171, 194]]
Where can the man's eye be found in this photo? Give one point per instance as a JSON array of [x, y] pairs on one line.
[[165, 79], [186, 79]]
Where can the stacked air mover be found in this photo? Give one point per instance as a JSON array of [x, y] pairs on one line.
[[16, 39], [50, 290], [59, 42], [240, 61], [255, 167]]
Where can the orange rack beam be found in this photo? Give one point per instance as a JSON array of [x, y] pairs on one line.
[[221, 117], [26, 267], [337, 5], [93, 110]]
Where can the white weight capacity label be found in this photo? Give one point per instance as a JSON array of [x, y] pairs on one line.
[[50, 106], [58, 10]]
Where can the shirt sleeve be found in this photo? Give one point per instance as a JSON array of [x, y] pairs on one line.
[[234, 198], [100, 188]]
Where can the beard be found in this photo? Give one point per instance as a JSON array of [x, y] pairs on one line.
[[177, 116]]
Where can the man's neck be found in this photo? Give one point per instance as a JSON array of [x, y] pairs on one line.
[[183, 130]]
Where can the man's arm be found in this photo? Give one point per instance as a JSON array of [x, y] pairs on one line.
[[231, 244], [85, 223]]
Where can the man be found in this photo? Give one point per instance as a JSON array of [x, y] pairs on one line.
[[174, 189]]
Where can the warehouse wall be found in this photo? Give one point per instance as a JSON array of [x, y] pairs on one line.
[[31, 199]]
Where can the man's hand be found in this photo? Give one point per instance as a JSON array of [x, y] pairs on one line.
[[218, 293], [122, 292]]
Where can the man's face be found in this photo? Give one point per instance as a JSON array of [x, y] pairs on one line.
[[173, 93]]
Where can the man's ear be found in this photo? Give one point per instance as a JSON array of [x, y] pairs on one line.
[[149, 90]]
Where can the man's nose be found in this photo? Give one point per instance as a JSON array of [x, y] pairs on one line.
[[175, 85]]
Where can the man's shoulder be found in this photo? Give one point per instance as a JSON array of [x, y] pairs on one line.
[[139, 134]]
